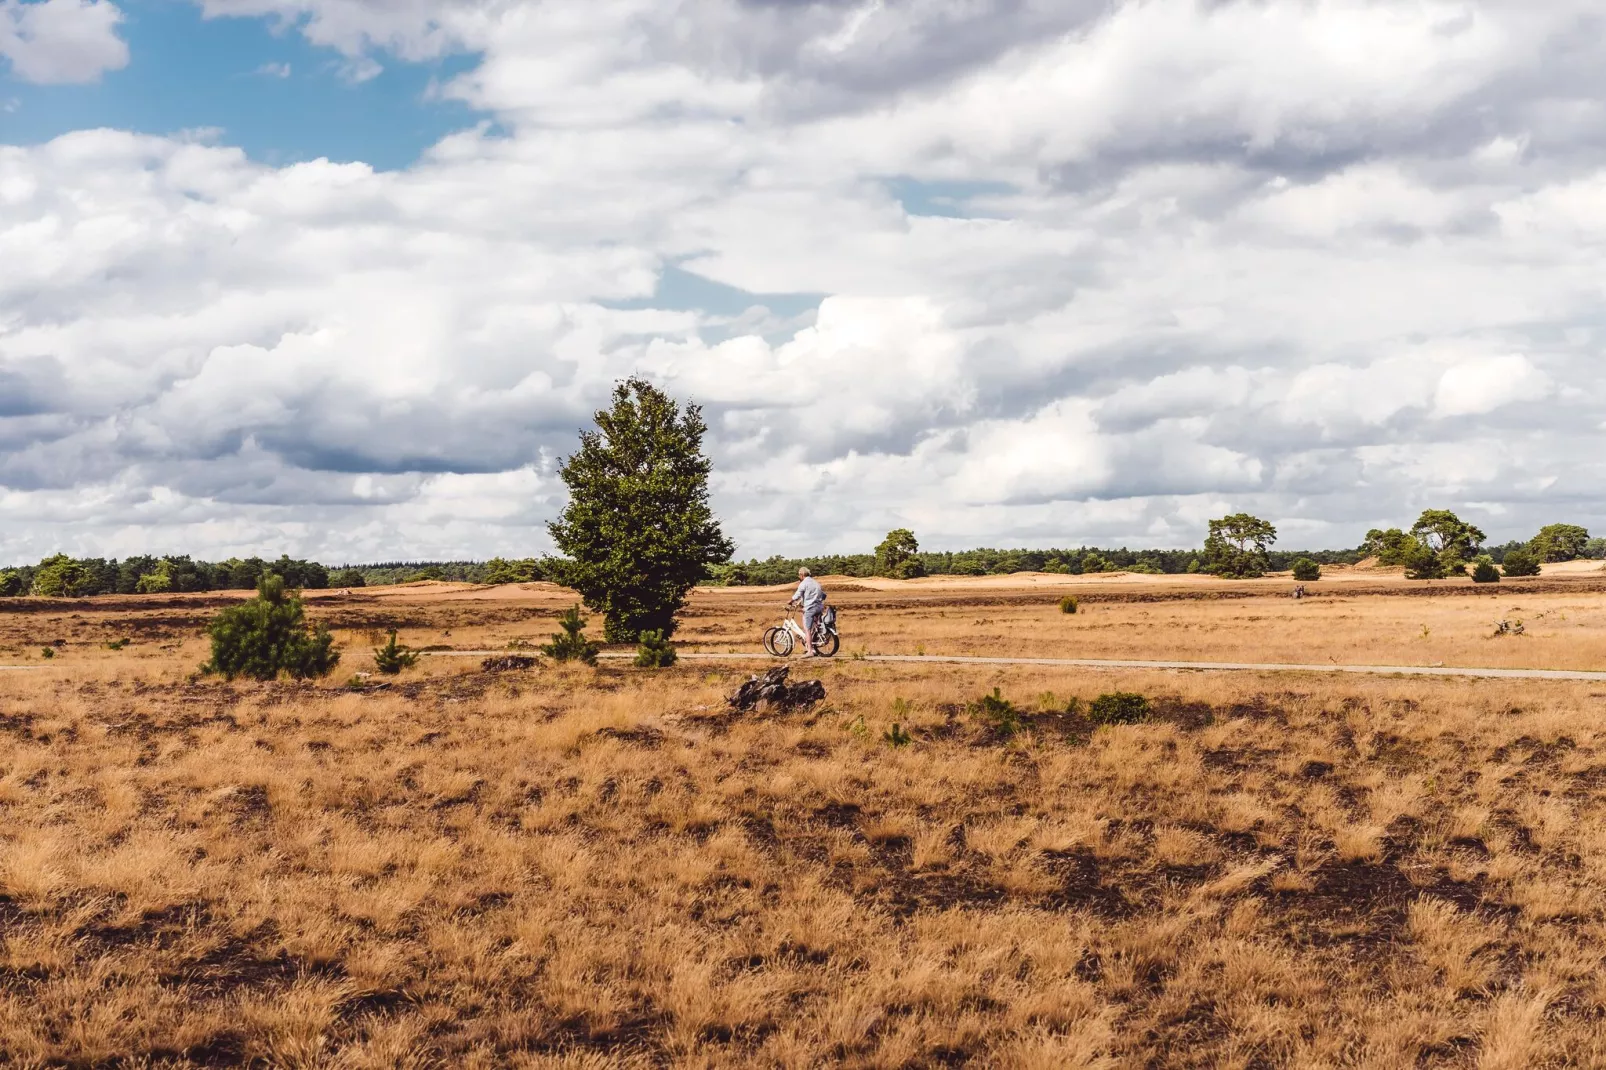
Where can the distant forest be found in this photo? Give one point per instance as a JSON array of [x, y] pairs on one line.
[[67, 577]]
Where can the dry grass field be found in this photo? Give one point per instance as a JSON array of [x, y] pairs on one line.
[[568, 867]]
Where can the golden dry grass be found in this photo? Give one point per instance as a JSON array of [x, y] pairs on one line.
[[571, 867]]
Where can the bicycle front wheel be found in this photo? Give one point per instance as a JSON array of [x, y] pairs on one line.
[[778, 642]]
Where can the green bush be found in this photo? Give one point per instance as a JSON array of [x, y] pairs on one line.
[[1307, 571], [348, 577], [47, 652], [1483, 571], [896, 736], [392, 658], [998, 714], [908, 569], [655, 651], [571, 643], [1118, 707], [1068, 604], [267, 636], [1422, 563], [1520, 563]]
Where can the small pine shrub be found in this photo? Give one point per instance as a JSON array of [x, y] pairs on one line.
[[571, 643], [1483, 571], [267, 636], [1068, 604], [117, 644], [998, 714], [1118, 707], [896, 736], [1306, 570], [655, 651], [47, 652], [1520, 563], [392, 658]]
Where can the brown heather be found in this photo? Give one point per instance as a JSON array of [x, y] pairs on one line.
[[570, 867]]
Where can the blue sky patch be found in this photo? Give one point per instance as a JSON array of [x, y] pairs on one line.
[[270, 92]]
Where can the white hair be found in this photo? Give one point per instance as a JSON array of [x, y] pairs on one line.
[[804, 572]]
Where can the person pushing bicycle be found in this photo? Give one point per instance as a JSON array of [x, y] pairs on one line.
[[811, 596]]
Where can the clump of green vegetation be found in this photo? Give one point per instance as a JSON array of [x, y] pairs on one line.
[[1237, 546], [998, 714], [267, 636], [571, 643], [1483, 571], [1520, 563], [896, 736], [1068, 604], [638, 527], [392, 658], [117, 644], [47, 652], [1306, 570], [655, 651], [1119, 707]]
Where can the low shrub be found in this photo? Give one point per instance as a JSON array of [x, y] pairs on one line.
[[392, 658], [1483, 571], [267, 636], [1520, 563], [1068, 604], [655, 651], [571, 643], [896, 736], [997, 713], [47, 652], [1306, 570], [1118, 707]]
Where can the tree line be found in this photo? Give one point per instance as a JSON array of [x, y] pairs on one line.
[[1438, 545], [900, 557]]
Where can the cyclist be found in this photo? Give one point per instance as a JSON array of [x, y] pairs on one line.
[[811, 596]]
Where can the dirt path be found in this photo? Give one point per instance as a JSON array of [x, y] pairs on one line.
[[1096, 663]]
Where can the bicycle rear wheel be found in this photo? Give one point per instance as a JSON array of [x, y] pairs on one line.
[[827, 643], [778, 642]]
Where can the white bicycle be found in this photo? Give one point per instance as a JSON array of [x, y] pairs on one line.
[[788, 635]]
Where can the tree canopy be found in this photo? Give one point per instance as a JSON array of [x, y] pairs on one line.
[[896, 555], [638, 526], [1560, 542], [1237, 546]]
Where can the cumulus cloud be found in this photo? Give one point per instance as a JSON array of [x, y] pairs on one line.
[[1329, 262], [55, 42]]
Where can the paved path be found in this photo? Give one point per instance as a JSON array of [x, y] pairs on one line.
[[1097, 663]]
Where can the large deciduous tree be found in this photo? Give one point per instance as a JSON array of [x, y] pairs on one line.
[[638, 526], [1560, 542], [1238, 544], [895, 556], [1450, 540]]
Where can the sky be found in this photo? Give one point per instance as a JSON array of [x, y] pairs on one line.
[[344, 278]]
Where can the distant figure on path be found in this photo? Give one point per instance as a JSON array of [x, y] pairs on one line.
[[811, 596]]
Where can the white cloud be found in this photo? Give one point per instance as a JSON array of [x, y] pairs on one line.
[[1483, 384], [1315, 260], [53, 42]]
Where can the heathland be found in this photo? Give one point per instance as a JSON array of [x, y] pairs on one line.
[[571, 866]]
